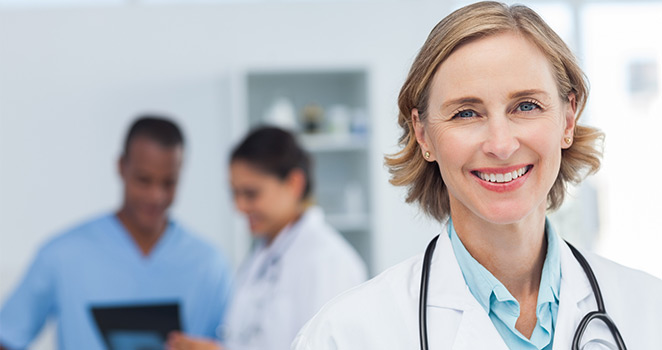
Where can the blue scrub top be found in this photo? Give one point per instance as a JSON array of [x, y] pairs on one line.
[[99, 264]]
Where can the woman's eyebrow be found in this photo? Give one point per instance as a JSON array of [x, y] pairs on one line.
[[476, 100], [528, 92], [461, 100]]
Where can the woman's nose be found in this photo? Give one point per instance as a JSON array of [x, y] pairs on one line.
[[241, 203], [500, 139]]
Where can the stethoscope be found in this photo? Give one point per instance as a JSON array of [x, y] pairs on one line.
[[600, 314]]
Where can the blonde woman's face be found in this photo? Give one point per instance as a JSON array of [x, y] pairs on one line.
[[496, 126]]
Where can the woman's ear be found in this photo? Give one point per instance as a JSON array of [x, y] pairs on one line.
[[421, 137], [296, 181], [569, 121]]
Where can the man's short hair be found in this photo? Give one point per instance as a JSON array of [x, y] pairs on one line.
[[156, 128]]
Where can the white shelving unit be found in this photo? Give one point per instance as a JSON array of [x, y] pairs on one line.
[[333, 143], [340, 158]]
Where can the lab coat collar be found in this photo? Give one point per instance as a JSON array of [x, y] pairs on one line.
[[266, 257], [448, 294], [576, 300], [447, 288], [312, 217]]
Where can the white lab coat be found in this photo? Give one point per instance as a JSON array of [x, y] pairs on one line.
[[383, 313], [281, 286]]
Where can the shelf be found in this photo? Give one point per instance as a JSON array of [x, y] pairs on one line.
[[340, 147], [333, 143], [349, 222]]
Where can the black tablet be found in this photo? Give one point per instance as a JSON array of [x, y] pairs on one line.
[[136, 327]]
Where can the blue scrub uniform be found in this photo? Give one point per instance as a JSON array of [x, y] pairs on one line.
[[98, 263]]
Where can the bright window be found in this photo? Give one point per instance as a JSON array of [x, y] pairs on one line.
[[623, 60]]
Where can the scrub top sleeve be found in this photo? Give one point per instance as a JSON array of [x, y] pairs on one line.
[[26, 310]]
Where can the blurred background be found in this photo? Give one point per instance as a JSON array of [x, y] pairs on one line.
[[74, 73]]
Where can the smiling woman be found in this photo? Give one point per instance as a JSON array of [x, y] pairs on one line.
[[564, 81], [490, 139], [479, 129], [298, 261]]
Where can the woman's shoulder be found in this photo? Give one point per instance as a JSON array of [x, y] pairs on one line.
[[626, 277], [378, 306], [624, 283], [392, 285], [632, 299], [320, 240]]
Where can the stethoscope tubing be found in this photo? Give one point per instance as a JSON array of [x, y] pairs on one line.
[[600, 314], [422, 306]]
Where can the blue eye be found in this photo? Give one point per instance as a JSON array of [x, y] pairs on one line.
[[467, 113], [527, 106]]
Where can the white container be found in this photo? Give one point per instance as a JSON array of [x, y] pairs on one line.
[[281, 113]]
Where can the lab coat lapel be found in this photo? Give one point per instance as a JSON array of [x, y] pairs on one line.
[[282, 243], [576, 300], [455, 318], [476, 331]]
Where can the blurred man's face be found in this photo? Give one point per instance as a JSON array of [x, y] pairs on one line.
[[150, 173]]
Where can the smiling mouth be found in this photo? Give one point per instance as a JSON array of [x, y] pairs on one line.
[[503, 177]]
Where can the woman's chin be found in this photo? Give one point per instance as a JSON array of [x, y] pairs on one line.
[[257, 233], [506, 214], [261, 233]]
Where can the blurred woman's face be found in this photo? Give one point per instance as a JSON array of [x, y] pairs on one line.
[[268, 202], [496, 127]]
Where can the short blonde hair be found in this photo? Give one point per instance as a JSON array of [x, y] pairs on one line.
[[423, 179]]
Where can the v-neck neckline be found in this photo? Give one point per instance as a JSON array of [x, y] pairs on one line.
[[134, 250]]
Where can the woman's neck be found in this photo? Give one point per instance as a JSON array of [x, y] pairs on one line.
[[290, 220], [514, 253]]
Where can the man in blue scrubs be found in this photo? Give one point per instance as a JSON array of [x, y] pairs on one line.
[[135, 256]]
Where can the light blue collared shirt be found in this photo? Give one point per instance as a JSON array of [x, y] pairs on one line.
[[502, 307]]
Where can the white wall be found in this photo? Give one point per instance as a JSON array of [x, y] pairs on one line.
[[72, 79]]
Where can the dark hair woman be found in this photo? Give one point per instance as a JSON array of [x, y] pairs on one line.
[[298, 263]]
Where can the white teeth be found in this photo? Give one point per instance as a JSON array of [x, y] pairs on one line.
[[501, 178]]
